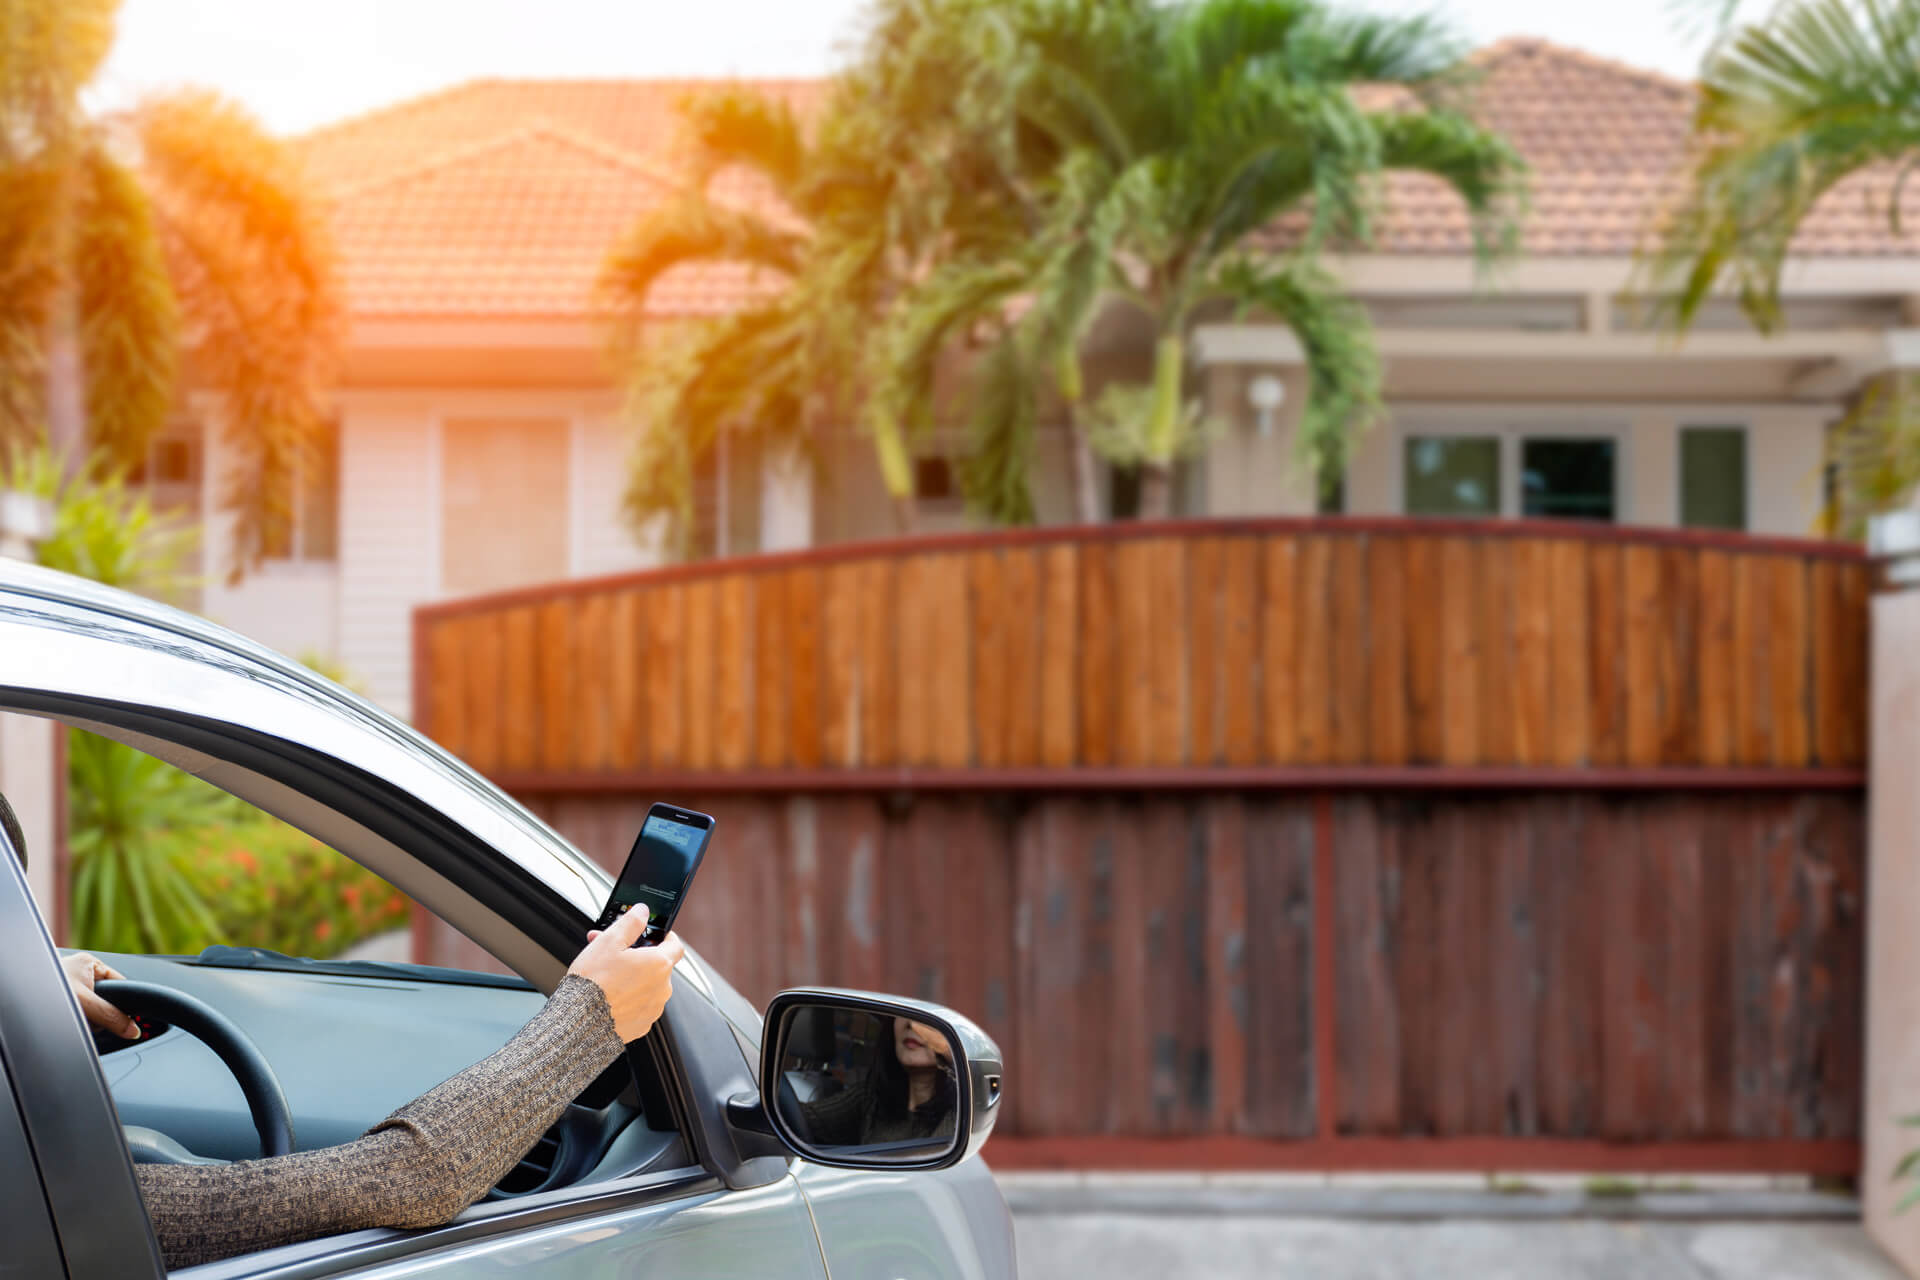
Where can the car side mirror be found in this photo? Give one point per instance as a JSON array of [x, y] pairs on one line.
[[863, 1081]]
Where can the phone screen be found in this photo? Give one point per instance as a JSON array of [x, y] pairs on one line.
[[659, 869]]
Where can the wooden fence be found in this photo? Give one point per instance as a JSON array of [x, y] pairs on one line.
[[1327, 844]]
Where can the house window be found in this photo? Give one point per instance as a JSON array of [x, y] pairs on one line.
[[1567, 477], [170, 472], [1453, 475], [313, 533], [1713, 477], [726, 499]]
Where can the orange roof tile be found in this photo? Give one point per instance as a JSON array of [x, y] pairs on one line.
[[501, 197]]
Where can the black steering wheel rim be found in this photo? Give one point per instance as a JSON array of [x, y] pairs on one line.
[[272, 1118]]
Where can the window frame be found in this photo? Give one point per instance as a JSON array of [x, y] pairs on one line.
[[1511, 431]]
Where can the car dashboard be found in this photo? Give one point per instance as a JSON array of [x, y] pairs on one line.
[[350, 1049]]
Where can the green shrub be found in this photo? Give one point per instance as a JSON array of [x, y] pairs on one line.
[[271, 885]]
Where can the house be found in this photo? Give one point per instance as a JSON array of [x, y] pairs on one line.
[[479, 443]]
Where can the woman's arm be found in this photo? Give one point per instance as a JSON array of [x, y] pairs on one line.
[[417, 1168], [438, 1154]]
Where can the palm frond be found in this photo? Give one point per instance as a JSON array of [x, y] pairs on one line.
[[1343, 366], [1481, 167], [996, 473], [738, 125], [129, 320], [253, 267]]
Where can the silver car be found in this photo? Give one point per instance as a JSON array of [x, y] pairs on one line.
[[692, 1156]]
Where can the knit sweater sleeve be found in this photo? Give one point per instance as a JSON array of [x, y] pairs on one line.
[[417, 1168]]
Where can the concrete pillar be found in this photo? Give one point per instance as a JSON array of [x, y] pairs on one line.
[[30, 754], [1893, 889]]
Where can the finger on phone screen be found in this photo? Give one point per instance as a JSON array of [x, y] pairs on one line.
[[628, 928]]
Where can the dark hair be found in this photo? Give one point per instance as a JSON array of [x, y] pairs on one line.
[[10, 823], [891, 1093]]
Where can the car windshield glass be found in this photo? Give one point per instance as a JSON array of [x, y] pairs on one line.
[[221, 957]]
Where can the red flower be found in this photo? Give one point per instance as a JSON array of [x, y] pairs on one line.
[[352, 894], [323, 930], [241, 858]]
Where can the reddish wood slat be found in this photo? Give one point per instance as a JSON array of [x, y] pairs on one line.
[[1460, 651], [1313, 687], [1426, 657], [1099, 640], [840, 668], [1388, 730], [1607, 689], [1280, 633], [805, 743], [1134, 601], [879, 626], [992, 620], [733, 673], [1207, 677], [446, 700], [1348, 629], [1501, 590], [1719, 661], [1790, 661], [1021, 576], [664, 611], [483, 639], [590, 710], [556, 666], [702, 667], [1059, 664], [772, 655], [1570, 655], [951, 661], [520, 706], [1239, 666]]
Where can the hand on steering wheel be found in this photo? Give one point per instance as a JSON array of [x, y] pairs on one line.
[[267, 1102]]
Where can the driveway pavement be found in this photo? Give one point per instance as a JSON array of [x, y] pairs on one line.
[[1122, 1231]]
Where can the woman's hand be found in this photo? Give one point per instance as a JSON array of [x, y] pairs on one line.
[[636, 980], [82, 972]]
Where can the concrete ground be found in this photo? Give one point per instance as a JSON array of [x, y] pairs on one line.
[[1135, 1231]]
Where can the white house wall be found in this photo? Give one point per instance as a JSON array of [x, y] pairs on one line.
[[389, 542]]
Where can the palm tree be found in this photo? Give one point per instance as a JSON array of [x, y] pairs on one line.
[[827, 256], [128, 238], [1148, 143], [1817, 92]]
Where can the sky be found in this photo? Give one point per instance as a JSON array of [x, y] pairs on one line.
[[298, 66]]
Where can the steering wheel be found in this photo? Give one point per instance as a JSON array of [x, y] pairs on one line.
[[272, 1118]]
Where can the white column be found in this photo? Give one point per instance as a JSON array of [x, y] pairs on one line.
[[29, 751], [1893, 898], [786, 501]]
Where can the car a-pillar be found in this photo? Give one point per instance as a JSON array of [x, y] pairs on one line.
[[1893, 886]]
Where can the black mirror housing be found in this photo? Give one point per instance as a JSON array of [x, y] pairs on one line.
[[975, 1073]]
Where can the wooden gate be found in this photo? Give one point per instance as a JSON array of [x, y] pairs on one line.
[[1321, 844]]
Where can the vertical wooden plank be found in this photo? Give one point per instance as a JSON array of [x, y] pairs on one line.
[[1718, 661], [1426, 656], [1050, 957], [1366, 893], [1569, 659], [1280, 948], [1788, 648], [1753, 828], [1351, 631], [733, 672], [1388, 730], [1643, 618], [1422, 857], [1020, 571], [1280, 629], [1514, 996], [1570, 871], [1207, 675], [1060, 657], [952, 717], [520, 710], [557, 665], [1838, 956], [840, 665], [447, 652], [1606, 649], [1313, 691], [1133, 611], [1614, 842], [592, 709], [702, 668], [879, 663], [1676, 686], [1752, 699], [1533, 625], [991, 620], [771, 654], [1228, 983], [1460, 652], [1643, 1016], [1167, 665], [1239, 713], [803, 674], [1500, 588], [626, 693], [485, 638], [1099, 661], [1119, 855], [1685, 1104], [913, 732], [664, 609]]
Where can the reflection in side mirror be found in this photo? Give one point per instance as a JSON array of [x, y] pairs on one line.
[[862, 1081]]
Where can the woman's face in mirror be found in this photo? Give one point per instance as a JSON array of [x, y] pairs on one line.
[[918, 1045]]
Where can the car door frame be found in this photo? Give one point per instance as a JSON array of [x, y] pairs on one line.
[[72, 1128]]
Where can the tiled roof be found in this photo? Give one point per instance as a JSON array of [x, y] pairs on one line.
[[501, 197], [1606, 145]]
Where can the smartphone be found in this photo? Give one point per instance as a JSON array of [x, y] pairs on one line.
[[666, 853]]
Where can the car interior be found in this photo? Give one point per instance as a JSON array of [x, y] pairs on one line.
[[349, 1041]]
